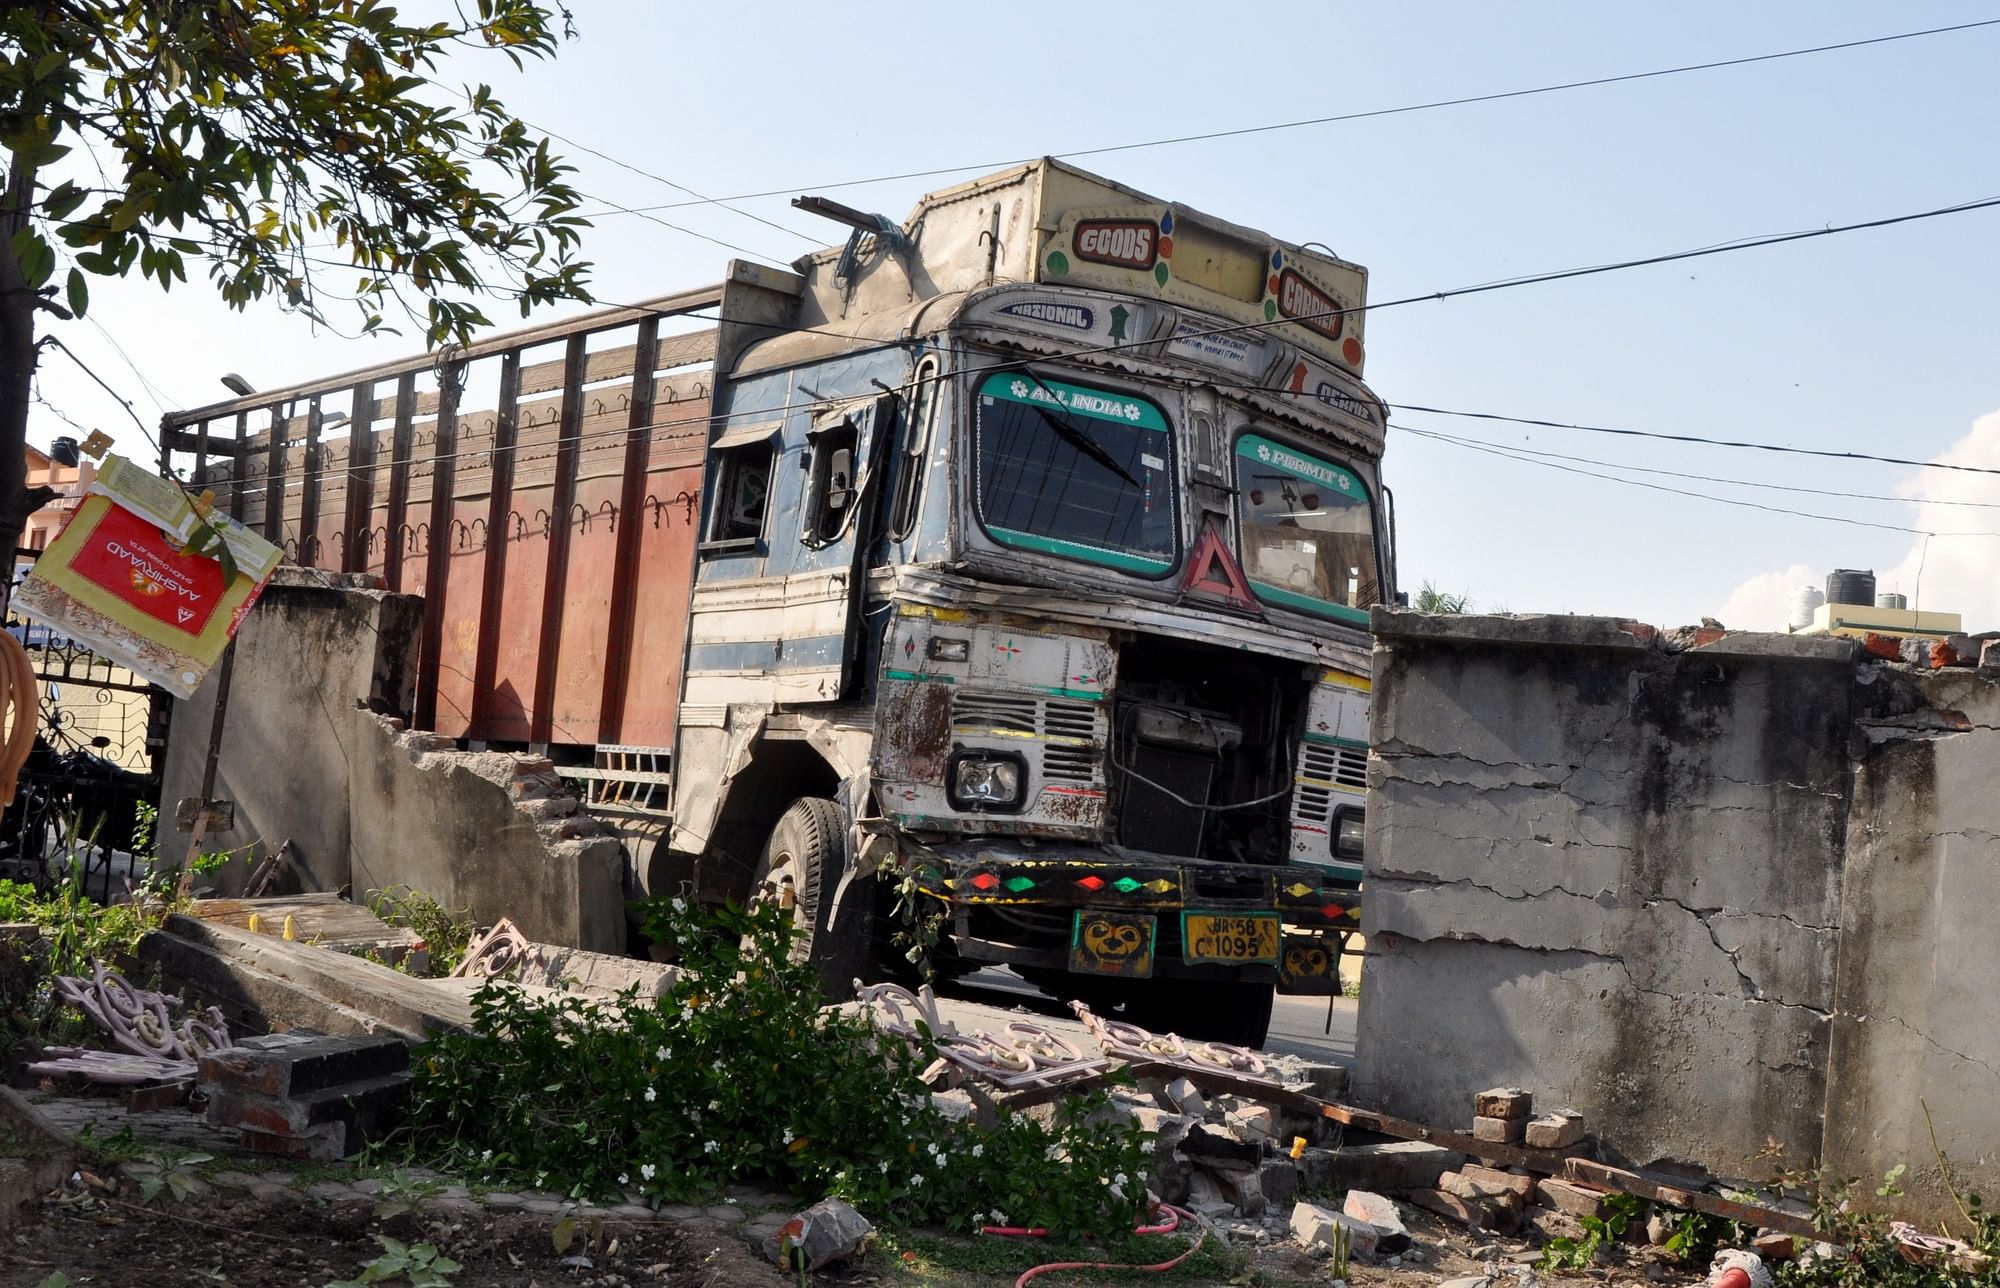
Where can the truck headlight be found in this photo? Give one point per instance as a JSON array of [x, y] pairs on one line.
[[1347, 832], [987, 780], [944, 648]]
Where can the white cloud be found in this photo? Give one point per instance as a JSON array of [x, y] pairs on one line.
[[1763, 602], [1956, 574], [1953, 575]]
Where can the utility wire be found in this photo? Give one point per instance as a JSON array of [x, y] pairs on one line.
[[116, 396], [1700, 496], [1696, 438], [1703, 478], [678, 187], [1346, 116]]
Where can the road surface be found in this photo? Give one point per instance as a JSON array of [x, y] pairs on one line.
[[1300, 1026]]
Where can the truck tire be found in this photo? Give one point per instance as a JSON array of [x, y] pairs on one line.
[[807, 854]]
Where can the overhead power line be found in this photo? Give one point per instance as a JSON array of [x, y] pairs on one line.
[[1304, 123], [699, 198], [1742, 444], [1678, 491], [1837, 493]]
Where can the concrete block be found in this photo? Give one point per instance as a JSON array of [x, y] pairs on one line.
[[1513, 1182], [1558, 1130], [1313, 1226], [1386, 1168], [1383, 1216], [1244, 1190], [285, 1064], [1475, 1190], [1501, 1131], [1279, 1179], [364, 1108], [1204, 1195], [1326, 1081], [1503, 1102], [1252, 1123], [1564, 1196], [1471, 1215], [1184, 1096]]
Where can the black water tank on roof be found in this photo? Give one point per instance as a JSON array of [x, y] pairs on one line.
[[1851, 586]]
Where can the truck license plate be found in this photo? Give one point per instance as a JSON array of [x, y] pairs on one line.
[[1112, 943], [1230, 938]]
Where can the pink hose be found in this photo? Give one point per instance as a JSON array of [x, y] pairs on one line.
[[1170, 1220]]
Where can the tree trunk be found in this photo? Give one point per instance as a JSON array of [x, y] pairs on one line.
[[17, 373]]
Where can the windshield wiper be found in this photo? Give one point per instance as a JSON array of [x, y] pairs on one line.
[[1076, 438]]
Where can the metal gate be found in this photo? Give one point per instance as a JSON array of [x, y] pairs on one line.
[[100, 747]]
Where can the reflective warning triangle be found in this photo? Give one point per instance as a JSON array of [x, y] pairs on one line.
[[1212, 571]]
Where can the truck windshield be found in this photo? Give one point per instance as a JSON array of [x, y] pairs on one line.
[[1077, 472], [1308, 531]]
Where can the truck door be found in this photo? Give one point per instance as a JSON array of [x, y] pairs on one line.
[[784, 627]]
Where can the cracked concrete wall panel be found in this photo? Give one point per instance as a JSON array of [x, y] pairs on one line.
[[1668, 1078], [1919, 958]]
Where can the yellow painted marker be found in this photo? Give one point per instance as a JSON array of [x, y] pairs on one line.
[[255, 921], [1298, 1147], [291, 929]]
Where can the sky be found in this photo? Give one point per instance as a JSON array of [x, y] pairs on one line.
[[1883, 341]]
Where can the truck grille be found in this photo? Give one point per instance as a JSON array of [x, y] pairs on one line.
[[1049, 717], [1347, 766]]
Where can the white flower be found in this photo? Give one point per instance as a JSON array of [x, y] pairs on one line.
[[932, 1149], [624, 1179], [663, 1053], [709, 1147], [885, 1167], [790, 1136], [715, 1104], [651, 1095], [942, 1159], [977, 1150], [485, 1154], [917, 1182], [646, 1171], [1120, 1180], [999, 1217], [680, 904]]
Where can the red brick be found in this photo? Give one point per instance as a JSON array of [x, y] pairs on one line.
[[1503, 1102], [1565, 1196], [1524, 1186]]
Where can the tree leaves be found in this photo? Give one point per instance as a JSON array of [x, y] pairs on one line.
[[251, 135]]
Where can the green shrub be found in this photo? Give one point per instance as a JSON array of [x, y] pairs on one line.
[[739, 1074]]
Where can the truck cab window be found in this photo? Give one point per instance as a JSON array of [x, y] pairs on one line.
[[919, 414], [831, 498], [742, 474]]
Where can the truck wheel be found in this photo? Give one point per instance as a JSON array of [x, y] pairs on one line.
[[805, 858]]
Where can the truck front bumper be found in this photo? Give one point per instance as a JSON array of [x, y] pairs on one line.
[[1064, 906]]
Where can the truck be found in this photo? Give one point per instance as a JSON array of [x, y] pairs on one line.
[[991, 588]]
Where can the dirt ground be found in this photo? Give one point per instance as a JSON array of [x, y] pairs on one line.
[[99, 1235], [96, 1238]]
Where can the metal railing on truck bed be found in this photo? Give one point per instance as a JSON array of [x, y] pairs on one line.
[[551, 532]]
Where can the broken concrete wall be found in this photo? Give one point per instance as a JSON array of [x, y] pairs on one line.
[[312, 648], [307, 756], [1607, 872], [1916, 1029], [1711, 890], [494, 832]]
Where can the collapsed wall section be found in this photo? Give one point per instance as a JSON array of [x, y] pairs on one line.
[[494, 832], [313, 752], [1609, 871]]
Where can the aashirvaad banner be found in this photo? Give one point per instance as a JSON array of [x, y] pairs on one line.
[[144, 579]]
